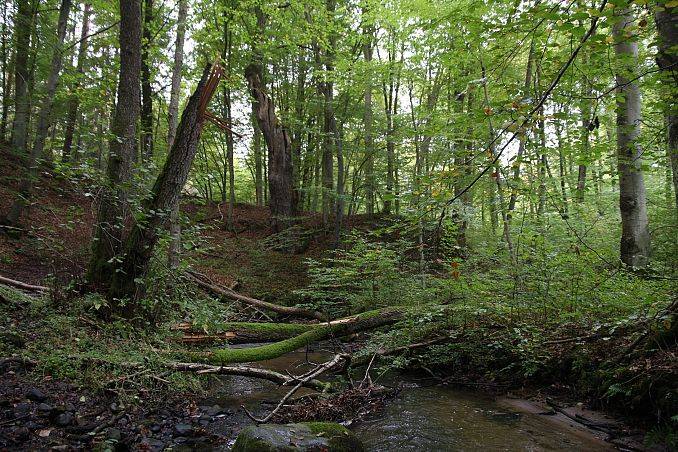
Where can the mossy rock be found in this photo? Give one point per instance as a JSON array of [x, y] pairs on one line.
[[306, 436]]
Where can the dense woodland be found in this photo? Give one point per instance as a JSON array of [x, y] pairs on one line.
[[480, 193]]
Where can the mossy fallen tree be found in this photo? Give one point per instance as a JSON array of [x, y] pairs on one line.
[[342, 327], [229, 294], [245, 332]]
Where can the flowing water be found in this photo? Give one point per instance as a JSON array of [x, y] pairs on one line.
[[424, 418]]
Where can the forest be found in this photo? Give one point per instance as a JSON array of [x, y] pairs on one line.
[[339, 225]]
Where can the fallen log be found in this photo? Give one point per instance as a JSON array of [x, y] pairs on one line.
[[254, 372], [23, 285], [342, 327], [244, 332], [222, 292]]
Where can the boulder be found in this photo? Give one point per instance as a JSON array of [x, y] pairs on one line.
[[306, 436]]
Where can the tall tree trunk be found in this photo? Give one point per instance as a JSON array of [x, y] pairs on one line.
[[122, 149], [6, 68], [127, 280], [561, 168], [280, 171], [23, 24], [74, 100], [174, 250], [227, 57], [586, 122], [635, 239], [370, 180], [44, 116], [666, 19], [522, 138], [146, 85]]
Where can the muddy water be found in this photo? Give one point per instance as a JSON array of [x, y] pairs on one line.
[[423, 418]]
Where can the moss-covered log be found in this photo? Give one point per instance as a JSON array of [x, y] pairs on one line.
[[245, 332], [361, 322]]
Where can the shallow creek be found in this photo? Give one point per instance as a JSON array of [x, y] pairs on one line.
[[421, 418]]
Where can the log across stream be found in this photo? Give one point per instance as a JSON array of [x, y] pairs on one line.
[[419, 418]]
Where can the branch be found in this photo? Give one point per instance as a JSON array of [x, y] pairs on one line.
[[23, 285]]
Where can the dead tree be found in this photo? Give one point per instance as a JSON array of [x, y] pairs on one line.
[[283, 199]]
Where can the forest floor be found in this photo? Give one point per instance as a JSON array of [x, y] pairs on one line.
[[72, 397]]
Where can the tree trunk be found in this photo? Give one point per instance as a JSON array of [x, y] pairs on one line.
[[6, 68], [667, 26], [227, 56], [128, 277], [635, 239], [280, 175], [146, 88], [44, 116], [258, 170], [22, 39], [122, 149], [370, 180], [74, 101], [174, 250], [522, 138]]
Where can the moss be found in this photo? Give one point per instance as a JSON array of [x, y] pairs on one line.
[[291, 329], [270, 351], [327, 428]]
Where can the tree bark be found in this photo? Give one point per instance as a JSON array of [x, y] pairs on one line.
[[667, 60], [6, 68], [74, 100], [127, 281], [122, 149], [174, 251], [22, 39], [44, 117], [146, 86], [635, 239]]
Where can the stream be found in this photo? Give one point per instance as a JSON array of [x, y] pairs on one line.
[[433, 418]]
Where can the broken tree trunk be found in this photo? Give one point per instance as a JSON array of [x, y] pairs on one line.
[[361, 322], [283, 198], [127, 281], [231, 295]]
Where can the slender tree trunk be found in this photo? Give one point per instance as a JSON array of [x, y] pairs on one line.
[[370, 181], [667, 26], [174, 251], [258, 170], [635, 239], [74, 100], [44, 117], [522, 138], [586, 122], [6, 68], [146, 86], [22, 39], [122, 149], [561, 168], [227, 56]]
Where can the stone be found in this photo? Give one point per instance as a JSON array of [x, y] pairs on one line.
[[45, 409], [22, 409], [306, 436], [114, 434], [35, 395], [64, 419], [155, 428], [183, 429], [152, 444]]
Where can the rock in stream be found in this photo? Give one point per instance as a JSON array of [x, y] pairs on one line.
[[306, 436]]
